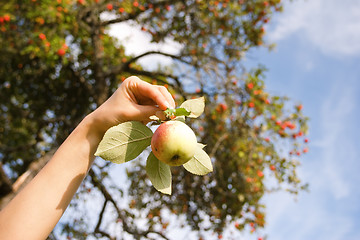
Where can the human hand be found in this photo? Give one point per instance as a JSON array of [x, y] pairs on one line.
[[134, 100]]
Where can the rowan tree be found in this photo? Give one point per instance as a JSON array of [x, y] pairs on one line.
[[59, 63]]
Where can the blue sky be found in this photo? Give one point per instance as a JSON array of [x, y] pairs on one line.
[[316, 62]]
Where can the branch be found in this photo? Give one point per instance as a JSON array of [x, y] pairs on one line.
[[134, 14], [177, 57], [121, 213], [158, 76], [121, 19], [97, 228], [123, 67], [218, 142], [96, 182], [159, 233]]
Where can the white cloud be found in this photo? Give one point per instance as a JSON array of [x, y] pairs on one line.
[[330, 25], [336, 111], [137, 42]]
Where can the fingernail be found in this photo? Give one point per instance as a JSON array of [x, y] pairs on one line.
[[167, 104]]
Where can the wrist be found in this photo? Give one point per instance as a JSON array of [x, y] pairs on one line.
[[94, 129]]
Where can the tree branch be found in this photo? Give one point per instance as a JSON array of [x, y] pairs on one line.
[[97, 228], [137, 234], [158, 76]]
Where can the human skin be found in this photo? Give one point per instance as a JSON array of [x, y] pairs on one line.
[[35, 211]]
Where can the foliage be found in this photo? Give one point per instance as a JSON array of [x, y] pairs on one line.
[[59, 63]]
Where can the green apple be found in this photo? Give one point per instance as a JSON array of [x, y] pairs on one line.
[[174, 143]]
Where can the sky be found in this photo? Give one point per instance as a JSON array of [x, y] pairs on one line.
[[316, 62]]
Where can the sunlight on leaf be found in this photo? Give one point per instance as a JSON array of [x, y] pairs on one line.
[[159, 174], [194, 106], [124, 142], [200, 164]]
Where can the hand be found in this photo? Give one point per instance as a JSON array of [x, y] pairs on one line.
[[134, 100]]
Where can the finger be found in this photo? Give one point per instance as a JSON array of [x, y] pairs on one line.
[[157, 94], [167, 96], [144, 112]]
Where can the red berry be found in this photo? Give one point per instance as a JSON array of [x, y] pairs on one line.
[[109, 7], [306, 150], [251, 104], [121, 10], [6, 17], [250, 85], [42, 36], [306, 140], [135, 4], [272, 168], [61, 52], [260, 173]]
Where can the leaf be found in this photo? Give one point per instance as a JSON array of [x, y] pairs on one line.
[[200, 145], [182, 112], [180, 118], [124, 142], [200, 164], [159, 174], [195, 106], [154, 118]]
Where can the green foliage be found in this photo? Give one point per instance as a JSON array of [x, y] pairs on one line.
[[200, 164], [59, 63], [124, 142], [159, 174]]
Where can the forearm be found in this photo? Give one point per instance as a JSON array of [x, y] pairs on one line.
[[41, 204]]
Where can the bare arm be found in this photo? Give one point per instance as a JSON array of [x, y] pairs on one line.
[[35, 211]]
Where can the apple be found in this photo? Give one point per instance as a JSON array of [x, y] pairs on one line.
[[174, 143]]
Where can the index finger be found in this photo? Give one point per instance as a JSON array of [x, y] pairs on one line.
[[159, 94]]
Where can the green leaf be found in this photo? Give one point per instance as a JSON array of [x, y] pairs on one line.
[[124, 142], [159, 174], [200, 164], [194, 106], [182, 112], [169, 113]]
